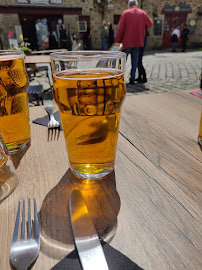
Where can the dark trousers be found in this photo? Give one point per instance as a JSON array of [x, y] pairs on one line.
[[134, 52], [174, 46], [141, 69], [184, 45]]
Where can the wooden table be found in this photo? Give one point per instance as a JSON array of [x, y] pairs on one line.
[[149, 208], [37, 59], [32, 60]]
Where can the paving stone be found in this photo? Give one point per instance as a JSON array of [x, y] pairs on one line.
[[170, 72]]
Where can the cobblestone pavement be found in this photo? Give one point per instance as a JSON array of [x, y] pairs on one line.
[[168, 71]]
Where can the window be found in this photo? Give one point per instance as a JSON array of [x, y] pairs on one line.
[[158, 27]]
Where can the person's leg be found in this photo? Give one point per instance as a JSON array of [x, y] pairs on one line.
[[174, 46], [140, 66], [134, 61], [184, 45], [144, 76], [105, 45], [127, 51]]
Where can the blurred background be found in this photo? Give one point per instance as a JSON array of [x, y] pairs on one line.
[[38, 22]]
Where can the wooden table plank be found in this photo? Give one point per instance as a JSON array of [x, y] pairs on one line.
[[37, 59], [167, 135], [168, 231], [149, 208]]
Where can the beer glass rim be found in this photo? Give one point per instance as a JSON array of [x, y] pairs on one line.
[[11, 54], [86, 55]]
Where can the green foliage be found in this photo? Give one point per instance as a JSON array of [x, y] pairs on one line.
[[24, 46]]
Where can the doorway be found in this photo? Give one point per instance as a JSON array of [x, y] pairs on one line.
[[28, 23], [172, 20]]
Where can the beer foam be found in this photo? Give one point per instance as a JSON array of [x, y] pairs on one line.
[[10, 57], [111, 73]]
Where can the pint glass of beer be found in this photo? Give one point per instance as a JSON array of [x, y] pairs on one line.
[[14, 109], [89, 90]]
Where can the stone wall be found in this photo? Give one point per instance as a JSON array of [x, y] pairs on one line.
[[98, 13], [7, 24]]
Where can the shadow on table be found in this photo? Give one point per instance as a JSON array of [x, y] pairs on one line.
[[16, 157], [102, 200], [136, 88], [115, 260]]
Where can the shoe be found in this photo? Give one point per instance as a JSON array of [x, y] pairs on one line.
[[143, 81], [138, 79], [131, 82]]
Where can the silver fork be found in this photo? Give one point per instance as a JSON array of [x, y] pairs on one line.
[[53, 123], [25, 252]]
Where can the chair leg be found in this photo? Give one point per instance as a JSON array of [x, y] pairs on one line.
[[41, 98], [48, 79]]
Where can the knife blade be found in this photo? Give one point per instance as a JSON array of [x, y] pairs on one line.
[[86, 239]]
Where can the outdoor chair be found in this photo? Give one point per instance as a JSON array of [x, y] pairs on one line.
[[36, 92], [32, 71]]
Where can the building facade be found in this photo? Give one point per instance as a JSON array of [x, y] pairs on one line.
[[27, 18]]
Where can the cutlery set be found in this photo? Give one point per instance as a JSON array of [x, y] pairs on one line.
[[25, 250]]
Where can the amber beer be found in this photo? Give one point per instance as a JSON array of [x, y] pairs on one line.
[[90, 103], [14, 109]]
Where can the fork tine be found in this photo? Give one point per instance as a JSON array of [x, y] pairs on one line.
[[55, 135], [36, 223], [52, 134], [48, 134], [15, 233], [29, 234], [23, 222]]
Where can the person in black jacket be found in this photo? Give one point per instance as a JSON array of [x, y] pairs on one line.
[[63, 38], [87, 39], [184, 37], [110, 35], [52, 41]]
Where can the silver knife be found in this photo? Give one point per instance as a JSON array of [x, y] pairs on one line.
[[87, 242]]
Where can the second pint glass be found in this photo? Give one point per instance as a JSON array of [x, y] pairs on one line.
[[89, 90], [14, 109]]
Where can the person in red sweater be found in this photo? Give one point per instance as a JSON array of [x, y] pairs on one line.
[[131, 32]]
